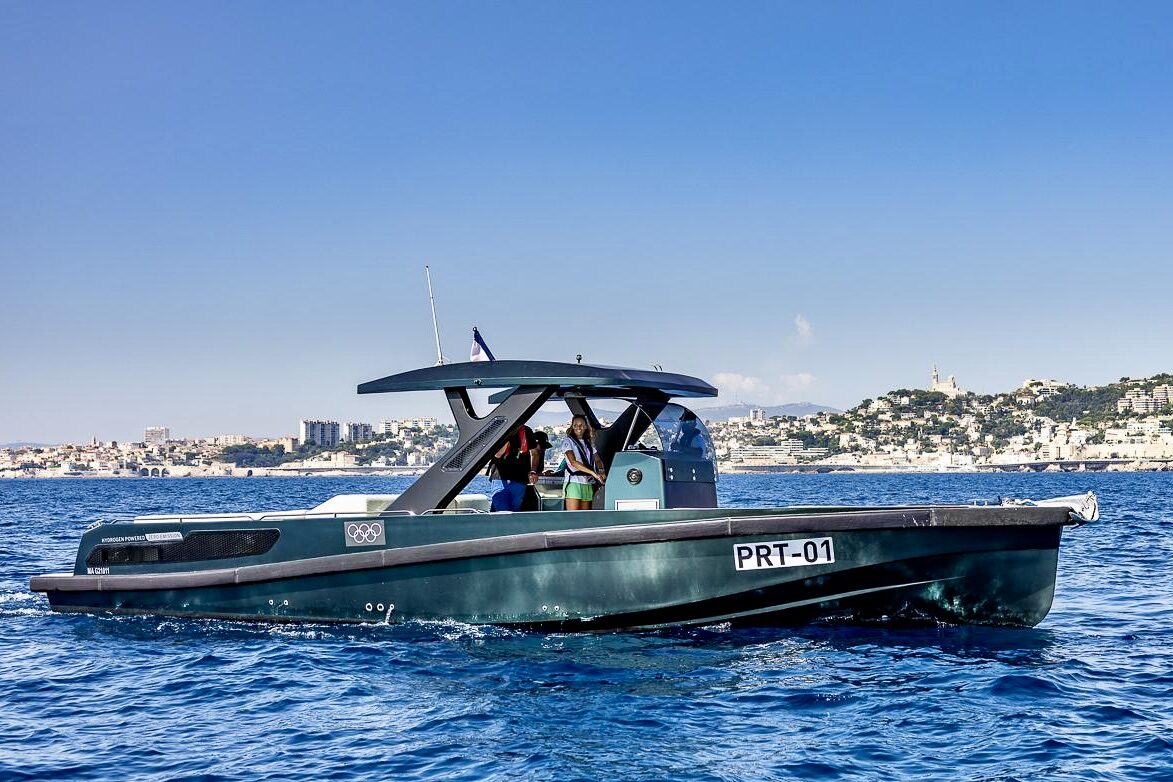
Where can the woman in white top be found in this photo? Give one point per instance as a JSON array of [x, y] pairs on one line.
[[583, 465]]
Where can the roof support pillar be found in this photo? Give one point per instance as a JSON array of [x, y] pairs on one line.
[[478, 439]]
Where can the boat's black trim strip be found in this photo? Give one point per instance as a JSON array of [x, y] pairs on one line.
[[564, 539]]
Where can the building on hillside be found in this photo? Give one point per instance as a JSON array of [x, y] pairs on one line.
[[1138, 401], [288, 443], [231, 439], [1043, 388], [323, 433], [393, 426], [156, 435], [357, 432], [947, 387], [787, 452], [757, 415]]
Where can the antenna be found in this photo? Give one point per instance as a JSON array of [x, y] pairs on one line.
[[435, 326]]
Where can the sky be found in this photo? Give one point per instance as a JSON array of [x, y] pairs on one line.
[[215, 216]]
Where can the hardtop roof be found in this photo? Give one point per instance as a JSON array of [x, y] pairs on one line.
[[589, 380]]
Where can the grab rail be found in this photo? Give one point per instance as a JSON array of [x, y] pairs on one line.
[[280, 515], [271, 516]]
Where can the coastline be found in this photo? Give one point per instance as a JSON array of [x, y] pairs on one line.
[[1059, 466], [237, 472], [1054, 466]]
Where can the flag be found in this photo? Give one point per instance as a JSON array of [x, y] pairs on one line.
[[480, 351]]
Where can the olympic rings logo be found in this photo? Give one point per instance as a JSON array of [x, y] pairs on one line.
[[364, 533]]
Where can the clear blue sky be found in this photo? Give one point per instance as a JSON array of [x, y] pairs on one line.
[[214, 216]]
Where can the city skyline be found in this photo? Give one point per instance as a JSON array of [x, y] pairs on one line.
[[1042, 426], [1134, 400], [216, 219]]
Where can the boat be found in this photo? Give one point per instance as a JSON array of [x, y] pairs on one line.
[[655, 550]]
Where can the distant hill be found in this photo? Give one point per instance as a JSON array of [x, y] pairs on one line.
[[17, 446]]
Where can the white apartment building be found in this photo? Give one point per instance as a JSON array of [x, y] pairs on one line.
[[764, 454], [231, 439], [323, 433], [1141, 401], [1043, 388], [393, 426], [156, 435], [1150, 427], [787, 452], [357, 432]]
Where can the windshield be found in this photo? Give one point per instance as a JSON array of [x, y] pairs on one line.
[[683, 433], [677, 430]]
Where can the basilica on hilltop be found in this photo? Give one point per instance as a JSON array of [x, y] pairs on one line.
[[947, 387]]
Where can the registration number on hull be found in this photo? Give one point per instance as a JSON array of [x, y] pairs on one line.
[[783, 553]]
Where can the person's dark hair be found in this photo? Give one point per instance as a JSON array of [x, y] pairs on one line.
[[590, 433]]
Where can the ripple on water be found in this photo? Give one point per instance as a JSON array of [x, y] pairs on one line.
[[1023, 687]]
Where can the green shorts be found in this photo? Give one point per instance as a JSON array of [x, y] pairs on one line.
[[580, 491]]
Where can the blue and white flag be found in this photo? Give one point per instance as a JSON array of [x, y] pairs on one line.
[[480, 351]]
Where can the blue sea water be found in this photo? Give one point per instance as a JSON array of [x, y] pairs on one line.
[[1085, 695]]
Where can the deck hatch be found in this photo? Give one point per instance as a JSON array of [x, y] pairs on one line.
[[196, 547]]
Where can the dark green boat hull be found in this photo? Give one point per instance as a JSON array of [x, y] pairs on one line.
[[607, 570]]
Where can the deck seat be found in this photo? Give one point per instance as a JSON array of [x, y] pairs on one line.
[[355, 503], [471, 502]]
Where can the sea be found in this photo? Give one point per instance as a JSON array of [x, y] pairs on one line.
[[1086, 695]]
